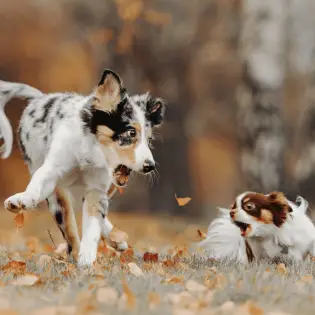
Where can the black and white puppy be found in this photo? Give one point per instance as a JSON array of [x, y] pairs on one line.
[[72, 144]]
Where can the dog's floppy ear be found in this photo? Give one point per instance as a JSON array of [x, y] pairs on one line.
[[109, 92], [280, 206], [155, 111]]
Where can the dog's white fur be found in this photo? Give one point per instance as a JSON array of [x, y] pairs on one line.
[[296, 236], [80, 165]]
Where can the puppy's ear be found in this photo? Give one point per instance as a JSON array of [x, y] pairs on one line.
[[280, 207], [109, 92], [155, 111]]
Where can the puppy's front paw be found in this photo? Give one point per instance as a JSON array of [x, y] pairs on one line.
[[19, 202], [87, 254]]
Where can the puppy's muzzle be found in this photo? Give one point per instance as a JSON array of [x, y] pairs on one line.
[[148, 166]]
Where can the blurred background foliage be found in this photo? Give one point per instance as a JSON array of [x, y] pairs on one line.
[[238, 77]]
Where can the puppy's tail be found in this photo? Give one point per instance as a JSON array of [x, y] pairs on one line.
[[9, 90], [224, 240]]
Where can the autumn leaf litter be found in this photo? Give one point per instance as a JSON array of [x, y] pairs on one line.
[[177, 280]]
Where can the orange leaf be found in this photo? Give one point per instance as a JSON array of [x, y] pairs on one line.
[[131, 299], [19, 220], [174, 280], [182, 201], [169, 263], [121, 190], [149, 257]]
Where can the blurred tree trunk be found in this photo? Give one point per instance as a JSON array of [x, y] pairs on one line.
[[260, 95], [302, 66]]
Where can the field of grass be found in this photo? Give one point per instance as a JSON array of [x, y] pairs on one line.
[[159, 274]]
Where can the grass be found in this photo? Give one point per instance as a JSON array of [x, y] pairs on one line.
[[112, 288]]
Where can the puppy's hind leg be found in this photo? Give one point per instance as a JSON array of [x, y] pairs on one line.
[[61, 207]]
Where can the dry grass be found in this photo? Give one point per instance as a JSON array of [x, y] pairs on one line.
[[182, 282]]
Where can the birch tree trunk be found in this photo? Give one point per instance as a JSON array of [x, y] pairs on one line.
[[260, 94]]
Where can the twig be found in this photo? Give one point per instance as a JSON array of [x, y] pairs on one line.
[[51, 238]]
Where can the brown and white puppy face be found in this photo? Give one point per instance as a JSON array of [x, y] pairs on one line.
[[123, 124], [258, 214]]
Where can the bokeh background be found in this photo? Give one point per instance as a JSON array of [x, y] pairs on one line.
[[238, 77]]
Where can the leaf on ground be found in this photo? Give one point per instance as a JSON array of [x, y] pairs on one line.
[[32, 244], [228, 307], [108, 296], [17, 267], [153, 300], [26, 280], [251, 308], [174, 280], [182, 201], [135, 270], [169, 263], [193, 286], [282, 269], [307, 279], [150, 257], [118, 236], [130, 297], [19, 220]]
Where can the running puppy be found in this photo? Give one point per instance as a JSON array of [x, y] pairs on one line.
[[72, 145], [262, 226]]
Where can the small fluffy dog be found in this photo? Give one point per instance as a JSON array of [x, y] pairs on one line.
[[261, 226], [73, 145]]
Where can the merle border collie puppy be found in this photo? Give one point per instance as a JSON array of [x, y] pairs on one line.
[[259, 226], [72, 145]]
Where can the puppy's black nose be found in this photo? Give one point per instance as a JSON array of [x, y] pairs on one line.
[[232, 214], [148, 166]]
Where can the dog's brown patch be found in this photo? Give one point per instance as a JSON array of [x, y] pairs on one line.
[[249, 252], [69, 222], [272, 208], [108, 93]]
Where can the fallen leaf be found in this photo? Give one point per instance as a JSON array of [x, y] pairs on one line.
[[169, 263], [193, 286], [32, 244], [228, 307], [17, 267], [174, 280], [108, 296], [19, 220], [150, 257], [153, 300], [251, 308], [282, 269], [26, 280], [130, 297], [182, 201], [118, 236], [135, 270]]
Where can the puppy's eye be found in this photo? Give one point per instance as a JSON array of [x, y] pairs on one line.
[[150, 141], [131, 133], [249, 206]]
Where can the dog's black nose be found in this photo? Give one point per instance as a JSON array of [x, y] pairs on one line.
[[232, 214], [148, 166]]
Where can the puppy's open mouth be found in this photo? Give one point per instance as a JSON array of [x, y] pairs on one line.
[[121, 175], [243, 227]]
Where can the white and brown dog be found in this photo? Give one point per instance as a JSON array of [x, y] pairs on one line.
[[73, 145], [259, 226]]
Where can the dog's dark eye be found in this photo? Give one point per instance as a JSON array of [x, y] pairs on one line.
[[249, 206], [150, 141], [131, 133]]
